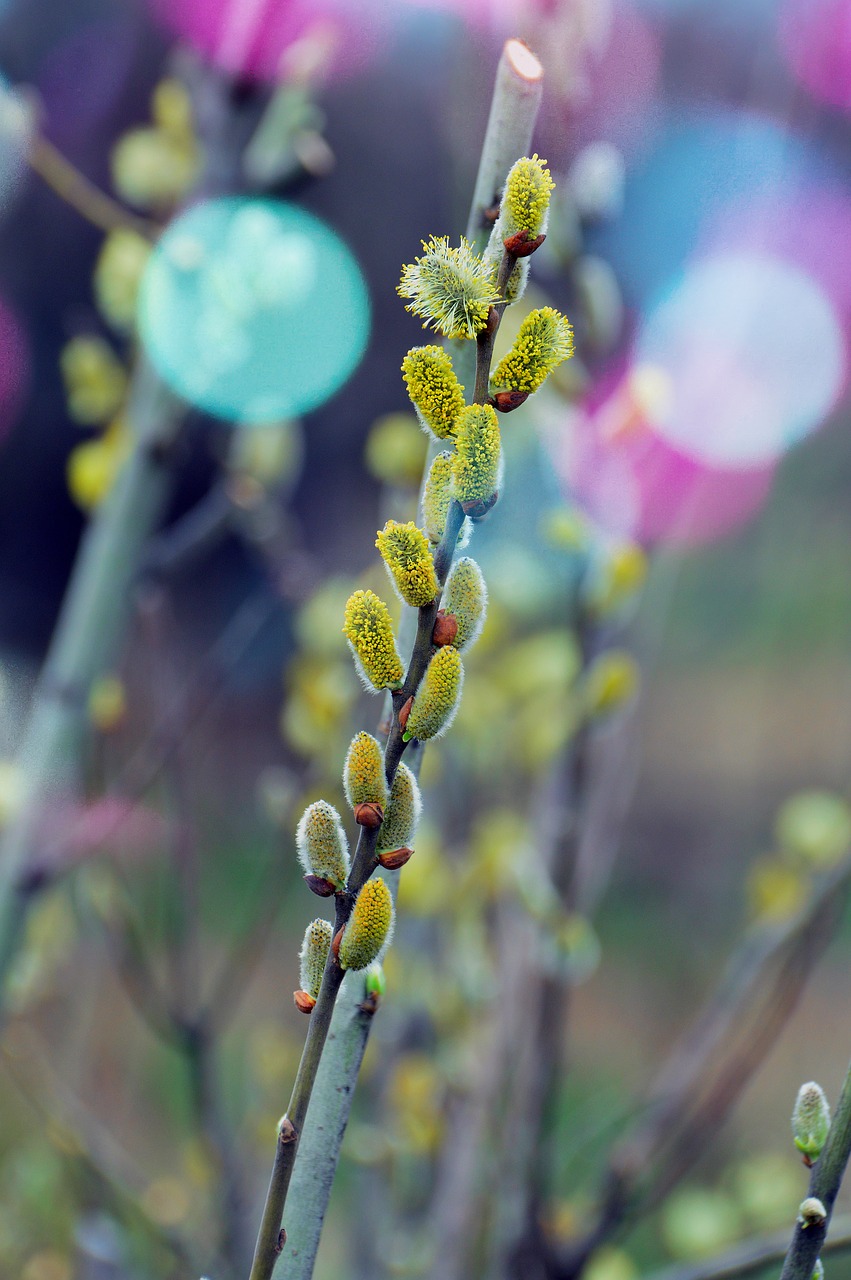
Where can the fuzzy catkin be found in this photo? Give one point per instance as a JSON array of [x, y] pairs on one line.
[[402, 813]]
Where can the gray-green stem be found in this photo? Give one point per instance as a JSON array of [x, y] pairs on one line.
[[514, 109], [825, 1181]]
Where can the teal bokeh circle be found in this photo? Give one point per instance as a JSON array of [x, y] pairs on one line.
[[253, 309]]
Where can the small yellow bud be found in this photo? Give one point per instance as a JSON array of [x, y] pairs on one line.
[[526, 198], [544, 341], [313, 955], [810, 1121], [619, 579], [405, 551], [478, 457], [368, 930], [323, 849], [437, 698], [152, 169], [435, 392], [92, 468], [118, 274], [814, 828], [369, 631], [450, 289], [396, 450], [171, 107], [107, 703], [363, 775], [611, 682], [466, 596], [402, 813], [95, 380]]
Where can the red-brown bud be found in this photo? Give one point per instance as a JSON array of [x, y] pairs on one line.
[[395, 858], [320, 886], [404, 712], [335, 944], [287, 1132], [505, 401], [521, 244], [303, 1002], [479, 507], [369, 814], [445, 629]]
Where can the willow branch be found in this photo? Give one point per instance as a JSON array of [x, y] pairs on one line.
[[514, 108], [754, 1256], [825, 1181], [78, 191]]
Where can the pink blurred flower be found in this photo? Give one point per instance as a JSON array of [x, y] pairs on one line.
[[815, 36]]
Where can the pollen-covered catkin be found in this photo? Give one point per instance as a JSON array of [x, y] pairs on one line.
[[369, 927], [369, 631], [452, 290], [526, 198], [313, 955], [402, 813], [363, 774], [435, 392], [545, 339], [466, 596], [478, 455], [323, 849], [437, 698], [437, 495], [405, 551]]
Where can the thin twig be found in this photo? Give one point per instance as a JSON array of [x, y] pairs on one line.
[[78, 191], [753, 1256]]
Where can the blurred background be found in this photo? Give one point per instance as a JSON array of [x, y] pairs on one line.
[[205, 208]]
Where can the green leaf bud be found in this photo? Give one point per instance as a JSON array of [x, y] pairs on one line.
[[810, 1120], [375, 983], [402, 813], [452, 290], [526, 198], [818, 1270], [435, 392], [405, 551], [313, 955], [369, 927], [437, 698], [363, 775], [369, 631], [811, 1212], [477, 462], [323, 849], [545, 339], [466, 596]]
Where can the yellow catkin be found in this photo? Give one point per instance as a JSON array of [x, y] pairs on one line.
[[369, 631], [526, 198], [313, 954], [435, 392], [323, 849], [466, 596], [437, 496], [363, 775], [451, 290], [476, 464], [402, 813], [437, 698], [405, 551], [545, 339], [369, 927]]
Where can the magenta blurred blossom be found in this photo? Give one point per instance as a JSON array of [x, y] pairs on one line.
[[633, 484], [73, 831], [815, 36]]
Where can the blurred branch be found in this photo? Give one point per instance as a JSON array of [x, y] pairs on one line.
[[514, 109], [675, 1119], [72, 186], [753, 1256], [825, 1181]]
